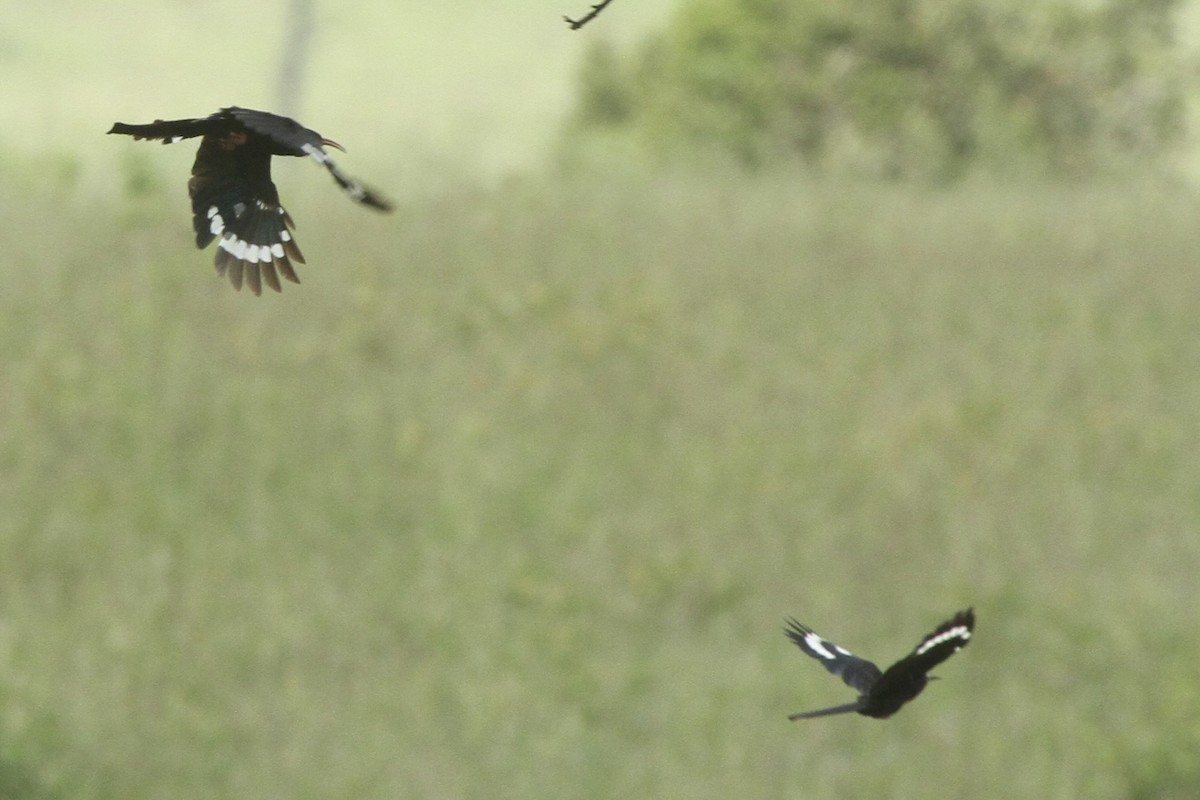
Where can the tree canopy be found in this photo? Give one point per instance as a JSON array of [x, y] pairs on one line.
[[902, 88]]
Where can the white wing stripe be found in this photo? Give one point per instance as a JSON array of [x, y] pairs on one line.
[[817, 645], [957, 632]]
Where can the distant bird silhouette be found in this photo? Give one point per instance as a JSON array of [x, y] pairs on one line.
[[882, 694], [232, 193]]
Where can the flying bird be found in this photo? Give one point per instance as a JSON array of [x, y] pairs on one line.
[[233, 196], [881, 694], [592, 13]]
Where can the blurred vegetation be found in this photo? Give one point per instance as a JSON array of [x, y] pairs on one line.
[[510, 497], [904, 88]]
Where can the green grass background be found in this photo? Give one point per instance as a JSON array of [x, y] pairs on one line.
[[509, 498]]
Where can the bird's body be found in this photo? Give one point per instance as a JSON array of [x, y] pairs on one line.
[[881, 694], [232, 193]]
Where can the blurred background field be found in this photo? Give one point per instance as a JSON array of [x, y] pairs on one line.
[[510, 498]]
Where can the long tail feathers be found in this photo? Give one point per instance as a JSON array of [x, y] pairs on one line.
[[255, 247], [825, 712]]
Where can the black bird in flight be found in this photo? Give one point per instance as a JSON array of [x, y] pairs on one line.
[[882, 694], [232, 193]]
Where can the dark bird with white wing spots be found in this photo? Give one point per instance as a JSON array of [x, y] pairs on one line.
[[233, 196], [881, 694]]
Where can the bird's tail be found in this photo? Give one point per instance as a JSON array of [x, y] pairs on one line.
[[256, 243], [257, 247], [825, 712]]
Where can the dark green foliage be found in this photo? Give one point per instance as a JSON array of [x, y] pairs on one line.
[[19, 778], [609, 99], [903, 88]]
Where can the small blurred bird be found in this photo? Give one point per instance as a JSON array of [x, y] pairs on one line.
[[233, 196], [882, 694]]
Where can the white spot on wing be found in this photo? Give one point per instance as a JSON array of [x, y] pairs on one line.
[[277, 250], [235, 246], [817, 645]]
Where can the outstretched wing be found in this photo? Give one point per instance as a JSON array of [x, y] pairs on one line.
[[358, 193], [857, 673], [286, 136], [289, 137], [949, 637], [166, 131]]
